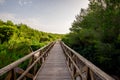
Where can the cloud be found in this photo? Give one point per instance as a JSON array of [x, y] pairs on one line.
[[33, 22], [20, 19], [2, 1], [24, 2], [7, 16]]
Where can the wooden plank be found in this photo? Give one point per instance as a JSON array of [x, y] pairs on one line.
[[55, 67]]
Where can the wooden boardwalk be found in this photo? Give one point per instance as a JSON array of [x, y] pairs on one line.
[[58, 65], [55, 67]]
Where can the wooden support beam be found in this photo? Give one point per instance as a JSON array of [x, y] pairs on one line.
[[20, 71]]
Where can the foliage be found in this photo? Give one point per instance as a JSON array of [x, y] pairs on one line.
[[5, 33], [18, 40], [97, 35]]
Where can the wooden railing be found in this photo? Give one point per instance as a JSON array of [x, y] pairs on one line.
[[13, 72], [81, 68]]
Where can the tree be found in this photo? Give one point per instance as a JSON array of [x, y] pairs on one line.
[[5, 33], [97, 35], [10, 23]]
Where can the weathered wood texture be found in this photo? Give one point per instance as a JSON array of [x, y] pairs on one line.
[[56, 62], [81, 68], [11, 71], [55, 67]]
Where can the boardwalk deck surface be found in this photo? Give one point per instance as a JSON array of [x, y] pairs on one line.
[[55, 67]]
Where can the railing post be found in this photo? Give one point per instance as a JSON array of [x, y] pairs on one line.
[[35, 69], [74, 72], [31, 61], [91, 75], [11, 75], [40, 52], [40, 61], [35, 66], [69, 63]]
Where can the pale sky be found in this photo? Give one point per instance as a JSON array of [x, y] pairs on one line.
[[55, 16]]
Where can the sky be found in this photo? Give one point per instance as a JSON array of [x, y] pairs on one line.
[[55, 16]]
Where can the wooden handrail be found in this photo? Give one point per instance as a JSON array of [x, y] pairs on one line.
[[81, 68], [33, 64], [90, 67], [11, 66]]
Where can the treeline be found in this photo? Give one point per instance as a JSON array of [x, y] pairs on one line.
[[18, 40], [95, 34]]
